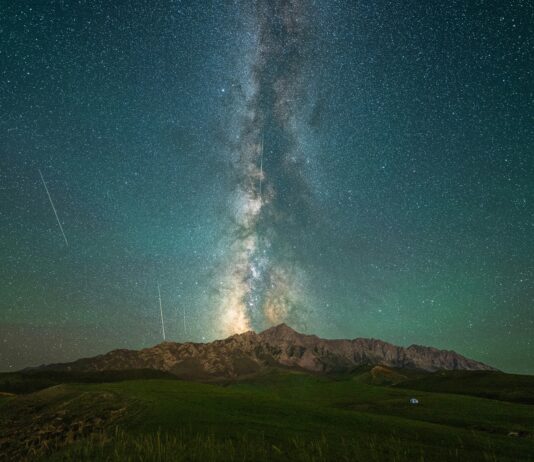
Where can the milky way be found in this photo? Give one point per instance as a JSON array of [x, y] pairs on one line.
[[262, 283]]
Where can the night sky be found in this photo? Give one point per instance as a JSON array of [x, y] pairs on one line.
[[351, 168]]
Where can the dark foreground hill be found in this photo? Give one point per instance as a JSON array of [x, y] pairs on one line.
[[486, 384], [278, 416], [250, 353]]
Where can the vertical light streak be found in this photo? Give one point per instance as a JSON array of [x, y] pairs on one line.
[[53, 208], [161, 313]]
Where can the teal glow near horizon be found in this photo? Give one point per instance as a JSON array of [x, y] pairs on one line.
[[393, 145]]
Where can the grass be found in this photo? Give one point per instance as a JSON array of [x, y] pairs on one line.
[[485, 384], [280, 416], [176, 447], [30, 381], [4, 398]]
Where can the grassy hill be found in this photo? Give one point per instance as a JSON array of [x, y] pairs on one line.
[[486, 384], [277, 417], [32, 380]]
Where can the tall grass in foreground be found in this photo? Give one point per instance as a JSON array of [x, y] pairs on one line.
[[177, 447]]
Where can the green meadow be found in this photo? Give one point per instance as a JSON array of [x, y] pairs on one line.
[[281, 416]]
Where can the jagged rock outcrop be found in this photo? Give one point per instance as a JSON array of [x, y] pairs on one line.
[[249, 353]]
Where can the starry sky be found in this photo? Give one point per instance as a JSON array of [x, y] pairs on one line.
[[352, 168]]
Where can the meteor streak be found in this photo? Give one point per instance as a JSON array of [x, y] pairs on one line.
[[161, 313], [261, 162], [53, 208]]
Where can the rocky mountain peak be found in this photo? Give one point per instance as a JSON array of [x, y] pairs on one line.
[[279, 346], [282, 331], [283, 334]]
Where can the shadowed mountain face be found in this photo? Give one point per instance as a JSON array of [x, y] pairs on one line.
[[249, 353]]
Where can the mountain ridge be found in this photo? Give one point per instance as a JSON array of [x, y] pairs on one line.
[[279, 346]]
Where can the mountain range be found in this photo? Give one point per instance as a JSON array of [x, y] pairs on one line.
[[250, 353]]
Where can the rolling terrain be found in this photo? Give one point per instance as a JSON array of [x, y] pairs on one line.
[[282, 415], [286, 396]]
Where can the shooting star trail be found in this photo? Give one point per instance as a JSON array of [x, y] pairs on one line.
[[53, 208], [161, 313], [261, 161]]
